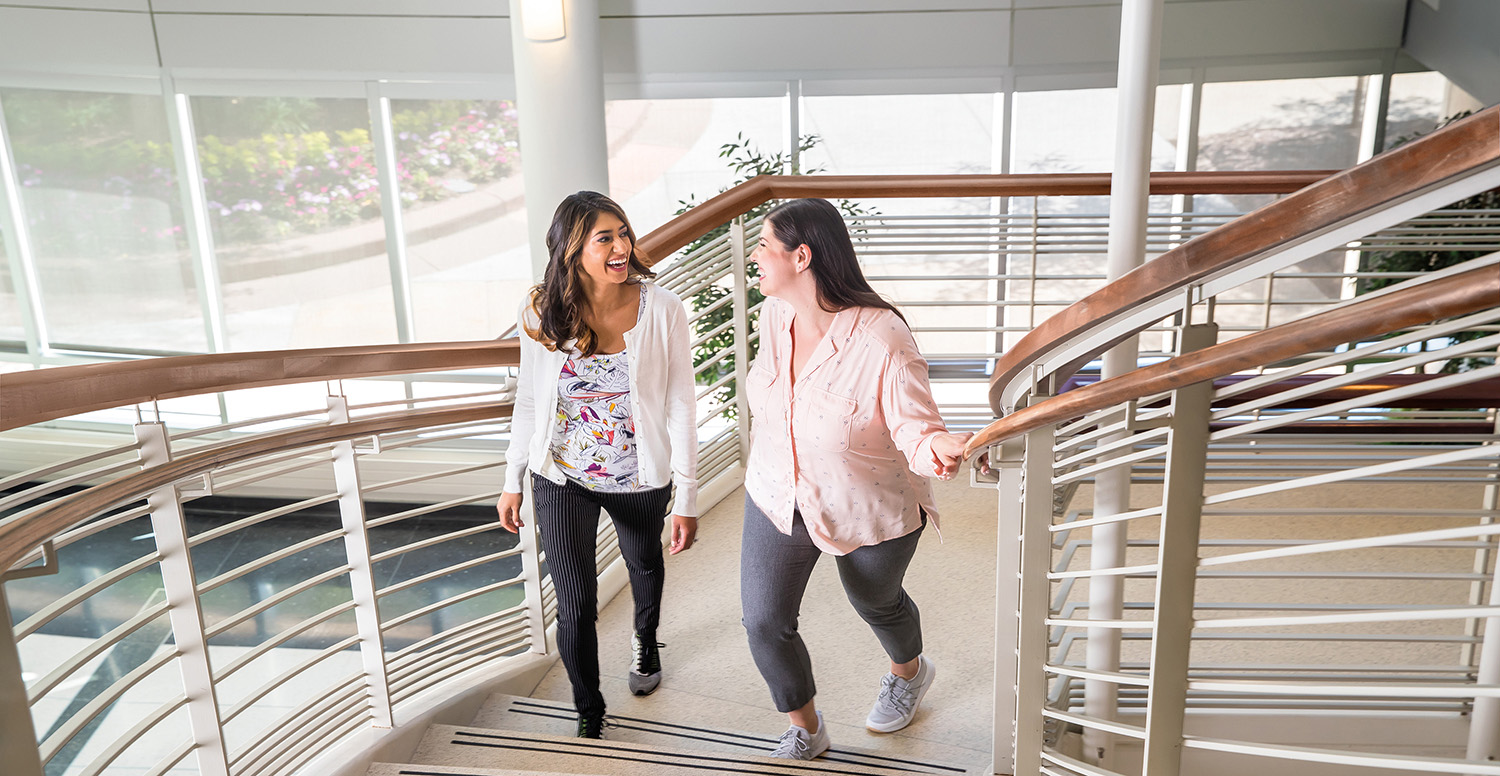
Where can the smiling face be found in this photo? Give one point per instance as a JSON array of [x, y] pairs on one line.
[[780, 269], [605, 258]]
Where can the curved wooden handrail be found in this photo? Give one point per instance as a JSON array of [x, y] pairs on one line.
[[761, 189], [48, 394], [1459, 294], [24, 533], [1462, 147]]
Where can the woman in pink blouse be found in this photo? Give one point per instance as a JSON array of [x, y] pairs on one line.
[[845, 437]]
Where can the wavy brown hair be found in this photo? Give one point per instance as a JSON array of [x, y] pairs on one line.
[[560, 301], [837, 277]]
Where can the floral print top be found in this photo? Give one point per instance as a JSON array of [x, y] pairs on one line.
[[593, 439]]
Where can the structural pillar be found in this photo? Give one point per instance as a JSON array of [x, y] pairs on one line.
[[560, 109], [1140, 46]]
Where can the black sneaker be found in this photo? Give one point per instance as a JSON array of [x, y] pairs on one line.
[[645, 665], [591, 725]]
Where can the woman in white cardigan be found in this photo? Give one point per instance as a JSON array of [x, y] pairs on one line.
[[605, 416]]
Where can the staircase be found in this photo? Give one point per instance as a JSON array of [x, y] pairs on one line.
[[512, 735]]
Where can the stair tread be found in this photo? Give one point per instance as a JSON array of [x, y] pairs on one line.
[[659, 728], [488, 751]]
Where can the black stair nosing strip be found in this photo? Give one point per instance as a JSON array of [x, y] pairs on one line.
[[762, 741], [759, 746], [791, 764], [658, 732], [587, 743]]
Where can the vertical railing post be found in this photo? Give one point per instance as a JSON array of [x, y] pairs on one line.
[[1007, 459], [183, 610], [531, 570], [361, 569], [18, 740], [1177, 559], [741, 313], [1034, 600], [1484, 723]]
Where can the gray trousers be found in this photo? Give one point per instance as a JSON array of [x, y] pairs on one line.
[[774, 569]]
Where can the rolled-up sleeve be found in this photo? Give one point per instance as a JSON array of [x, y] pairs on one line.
[[911, 414]]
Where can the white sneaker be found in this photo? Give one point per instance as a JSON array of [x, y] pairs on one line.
[[899, 698], [798, 744]]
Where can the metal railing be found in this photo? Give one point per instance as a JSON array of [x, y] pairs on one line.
[[395, 588], [1298, 572]]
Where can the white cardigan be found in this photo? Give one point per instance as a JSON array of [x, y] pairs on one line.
[[663, 402]]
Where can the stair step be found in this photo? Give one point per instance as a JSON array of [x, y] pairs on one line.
[[472, 751], [513, 713]]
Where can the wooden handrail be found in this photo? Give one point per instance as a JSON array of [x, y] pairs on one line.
[[1459, 294], [741, 199], [21, 536], [47, 394], [1462, 147]]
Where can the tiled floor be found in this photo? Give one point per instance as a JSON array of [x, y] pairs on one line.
[[709, 677]]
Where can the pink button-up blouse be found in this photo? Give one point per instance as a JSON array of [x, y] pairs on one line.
[[850, 444]]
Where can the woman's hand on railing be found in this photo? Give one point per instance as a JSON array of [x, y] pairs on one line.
[[949, 449], [684, 530], [510, 511]]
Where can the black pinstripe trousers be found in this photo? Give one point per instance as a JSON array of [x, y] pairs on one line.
[[568, 518]]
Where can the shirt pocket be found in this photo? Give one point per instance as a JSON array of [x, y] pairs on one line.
[[758, 388], [824, 418]]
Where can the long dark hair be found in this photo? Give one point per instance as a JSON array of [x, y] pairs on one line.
[[560, 300], [817, 224]]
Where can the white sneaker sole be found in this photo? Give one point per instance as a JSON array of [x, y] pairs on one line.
[[892, 727]]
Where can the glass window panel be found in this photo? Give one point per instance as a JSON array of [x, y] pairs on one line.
[[294, 204], [11, 326], [1300, 124], [1074, 130], [103, 211], [664, 152], [901, 134], [1419, 102], [904, 134], [464, 211]]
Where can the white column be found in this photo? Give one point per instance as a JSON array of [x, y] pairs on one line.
[[1140, 44], [560, 107]]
